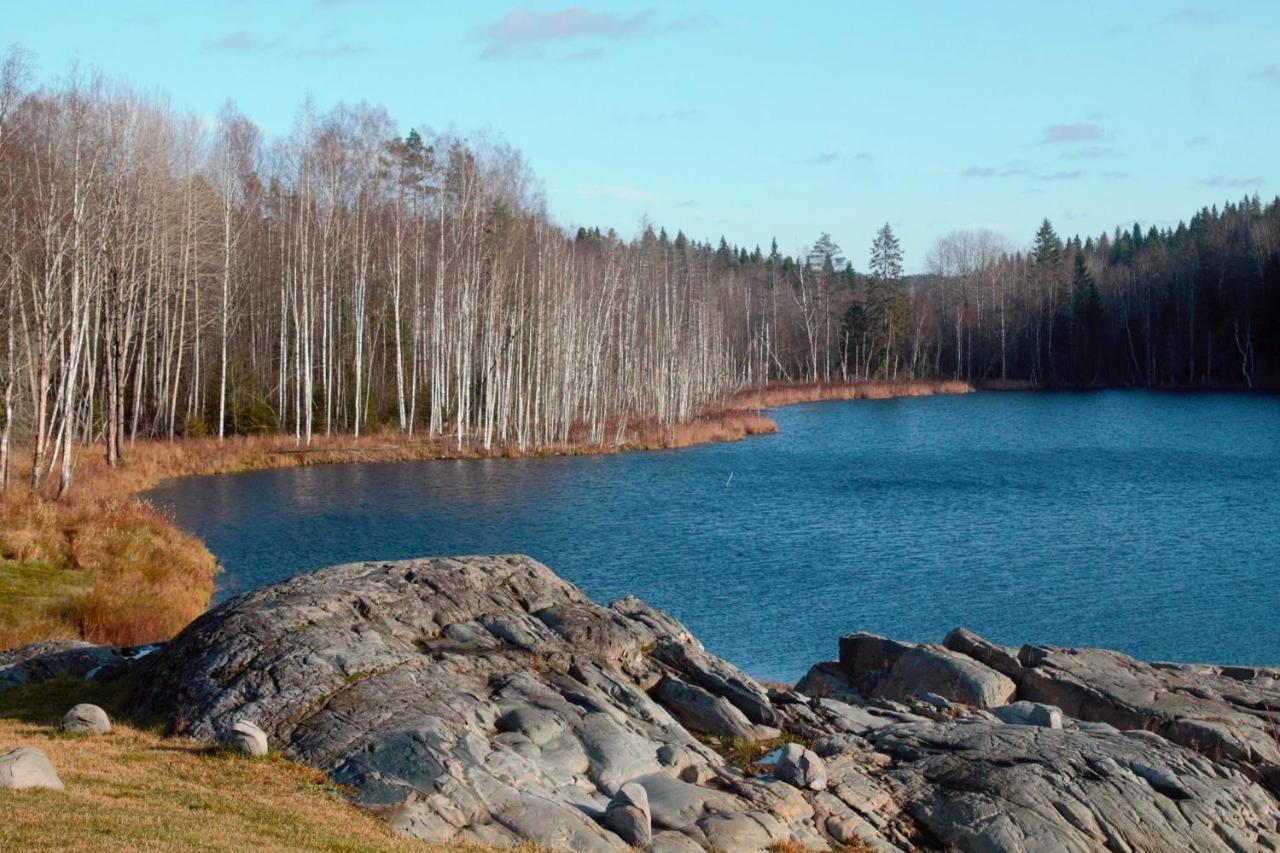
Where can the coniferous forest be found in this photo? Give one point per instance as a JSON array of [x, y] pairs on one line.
[[162, 278]]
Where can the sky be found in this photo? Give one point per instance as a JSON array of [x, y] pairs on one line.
[[753, 119]]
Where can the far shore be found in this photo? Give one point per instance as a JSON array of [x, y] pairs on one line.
[[105, 566]]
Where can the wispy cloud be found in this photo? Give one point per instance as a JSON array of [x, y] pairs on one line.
[[1012, 170], [1232, 183], [523, 32], [1091, 152], [826, 158], [1019, 170], [1081, 131], [1196, 18], [621, 193], [1065, 175], [1197, 141], [1270, 73], [337, 51], [240, 41]]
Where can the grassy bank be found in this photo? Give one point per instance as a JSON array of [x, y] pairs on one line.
[[107, 567], [134, 790]]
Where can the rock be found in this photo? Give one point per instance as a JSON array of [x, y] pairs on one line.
[[981, 786], [42, 661], [1030, 714], [248, 739], [86, 719], [467, 698], [948, 674], [627, 815], [700, 711], [484, 700], [1230, 717], [801, 767], [1002, 659], [866, 658], [27, 767], [718, 677]]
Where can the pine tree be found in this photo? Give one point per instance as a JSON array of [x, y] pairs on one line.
[[886, 255], [1047, 249]]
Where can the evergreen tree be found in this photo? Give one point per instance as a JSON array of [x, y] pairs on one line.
[[886, 255], [1047, 249]]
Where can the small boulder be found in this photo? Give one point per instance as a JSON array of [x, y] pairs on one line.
[[1031, 714], [700, 711], [27, 767], [86, 719], [867, 657], [801, 767], [1002, 659], [628, 816], [953, 676], [247, 738]]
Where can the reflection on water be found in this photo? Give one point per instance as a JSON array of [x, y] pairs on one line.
[[1139, 521]]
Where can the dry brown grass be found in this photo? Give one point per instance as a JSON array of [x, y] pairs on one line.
[[150, 579], [135, 790], [788, 393]]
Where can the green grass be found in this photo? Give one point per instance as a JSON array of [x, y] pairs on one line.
[[35, 600]]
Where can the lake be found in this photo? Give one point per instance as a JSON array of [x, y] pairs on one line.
[[1141, 521]]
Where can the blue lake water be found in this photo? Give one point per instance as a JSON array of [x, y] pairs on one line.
[[1145, 522]]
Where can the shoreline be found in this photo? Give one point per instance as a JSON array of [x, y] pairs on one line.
[[150, 578]]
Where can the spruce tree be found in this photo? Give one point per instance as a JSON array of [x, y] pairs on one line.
[[886, 255]]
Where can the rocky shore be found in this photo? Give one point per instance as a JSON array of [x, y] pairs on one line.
[[484, 699]]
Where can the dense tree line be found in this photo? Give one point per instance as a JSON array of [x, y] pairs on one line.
[[162, 278]]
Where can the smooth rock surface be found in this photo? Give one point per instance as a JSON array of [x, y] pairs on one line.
[[86, 719], [27, 767], [801, 767], [627, 815], [247, 738], [948, 674]]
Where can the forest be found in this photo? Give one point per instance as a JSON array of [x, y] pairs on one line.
[[164, 277]]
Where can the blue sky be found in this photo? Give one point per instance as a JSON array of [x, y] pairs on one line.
[[755, 119]]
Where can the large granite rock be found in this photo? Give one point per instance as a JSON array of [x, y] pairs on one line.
[[485, 700], [1229, 714]]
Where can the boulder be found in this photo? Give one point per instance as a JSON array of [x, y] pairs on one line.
[[247, 738], [628, 817], [86, 719], [866, 658], [52, 659], [28, 767], [1002, 659], [947, 674], [801, 767], [1030, 714], [701, 711]]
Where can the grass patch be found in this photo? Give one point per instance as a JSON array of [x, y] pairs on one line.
[[135, 790], [744, 754], [36, 601]]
